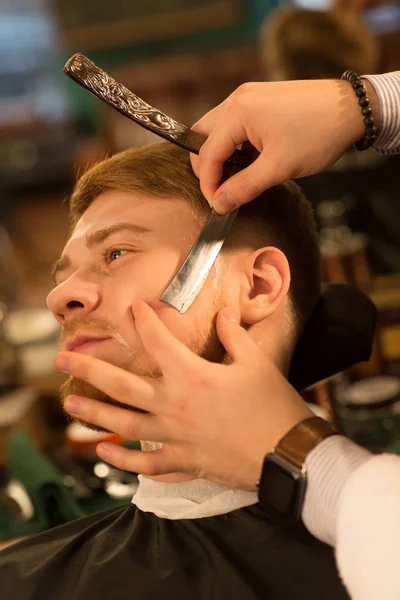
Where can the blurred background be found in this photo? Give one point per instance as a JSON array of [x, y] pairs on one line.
[[183, 56]]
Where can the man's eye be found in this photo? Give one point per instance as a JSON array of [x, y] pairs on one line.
[[114, 254]]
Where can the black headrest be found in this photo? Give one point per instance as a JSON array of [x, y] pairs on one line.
[[338, 335]]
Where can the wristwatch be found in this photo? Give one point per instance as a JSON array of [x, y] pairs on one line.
[[283, 482]]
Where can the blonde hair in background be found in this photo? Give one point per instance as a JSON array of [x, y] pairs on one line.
[[309, 44]]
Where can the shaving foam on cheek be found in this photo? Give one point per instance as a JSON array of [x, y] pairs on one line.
[[217, 274], [118, 338]]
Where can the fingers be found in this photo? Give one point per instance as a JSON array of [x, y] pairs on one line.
[[128, 424], [155, 462], [121, 385], [220, 145], [226, 129], [235, 339], [227, 126], [120, 457], [246, 185], [171, 355], [205, 126]]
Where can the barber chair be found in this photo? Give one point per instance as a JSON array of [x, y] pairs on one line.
[[338, 335]]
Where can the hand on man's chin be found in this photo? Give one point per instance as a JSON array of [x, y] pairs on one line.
[[78, 387]]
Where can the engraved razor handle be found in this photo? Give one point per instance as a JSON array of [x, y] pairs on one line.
[[83, 71]]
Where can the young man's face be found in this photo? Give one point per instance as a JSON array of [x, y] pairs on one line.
[[127, 247]]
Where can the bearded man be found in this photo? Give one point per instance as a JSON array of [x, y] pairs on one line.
[[135, 217]]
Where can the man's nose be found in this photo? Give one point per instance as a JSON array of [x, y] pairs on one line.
[[73, 298]]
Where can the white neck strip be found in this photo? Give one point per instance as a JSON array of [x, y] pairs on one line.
[[189, 499]]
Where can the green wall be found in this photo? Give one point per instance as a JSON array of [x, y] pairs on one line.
[[85, 107]]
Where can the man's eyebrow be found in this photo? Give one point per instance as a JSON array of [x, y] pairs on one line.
[[99, 236]]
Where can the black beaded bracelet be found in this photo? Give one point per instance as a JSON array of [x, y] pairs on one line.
[[370, 130]]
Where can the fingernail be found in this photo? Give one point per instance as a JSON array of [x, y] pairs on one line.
[[230, 315], [224, 203], [72, 405], [62, 363], [103, 452]]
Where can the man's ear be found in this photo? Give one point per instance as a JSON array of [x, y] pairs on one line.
[[267, 281]]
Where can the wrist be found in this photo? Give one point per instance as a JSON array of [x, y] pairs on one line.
[[374, 102], [353, 124], [260, 451], [283, 480]]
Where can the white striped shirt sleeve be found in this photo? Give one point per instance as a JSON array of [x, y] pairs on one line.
[[387, 89], [329, 467]]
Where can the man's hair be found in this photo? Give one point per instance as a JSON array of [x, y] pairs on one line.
[[280, 217], [296, 43]]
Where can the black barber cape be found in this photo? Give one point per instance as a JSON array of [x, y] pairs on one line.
[[127, 554]]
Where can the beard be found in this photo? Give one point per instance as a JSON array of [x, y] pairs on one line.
[[203, 341]]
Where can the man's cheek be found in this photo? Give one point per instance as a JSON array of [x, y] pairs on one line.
[[175, 322]]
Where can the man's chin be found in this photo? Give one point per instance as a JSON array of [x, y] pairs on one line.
[[211, 349], [77, 387]]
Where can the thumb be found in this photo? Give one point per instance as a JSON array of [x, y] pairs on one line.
[[234, 338], [246, 185]]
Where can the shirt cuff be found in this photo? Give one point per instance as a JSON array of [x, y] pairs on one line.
[[329, 465], [387, 89]]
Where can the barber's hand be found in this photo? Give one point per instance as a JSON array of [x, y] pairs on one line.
[[215, 421], [299, 128]]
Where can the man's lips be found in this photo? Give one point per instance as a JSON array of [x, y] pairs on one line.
[[82, 342]]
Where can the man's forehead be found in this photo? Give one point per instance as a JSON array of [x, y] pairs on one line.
[[145, 214], [112, 205]]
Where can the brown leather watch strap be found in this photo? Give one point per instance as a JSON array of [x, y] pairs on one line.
[[304, 436]]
